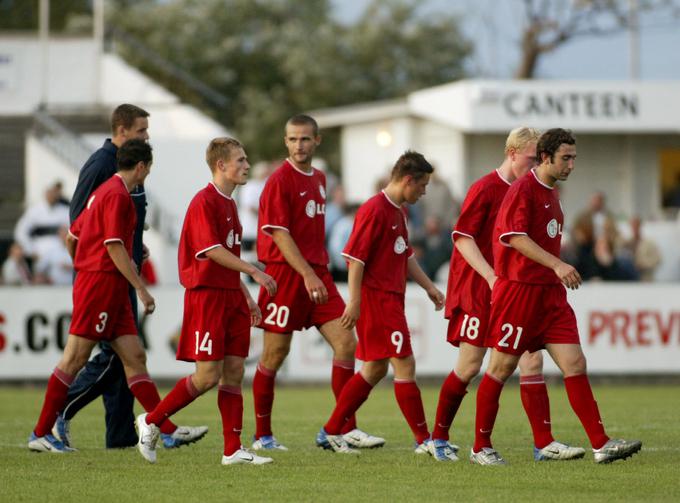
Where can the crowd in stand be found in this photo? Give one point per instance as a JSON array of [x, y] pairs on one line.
[[595, 245]]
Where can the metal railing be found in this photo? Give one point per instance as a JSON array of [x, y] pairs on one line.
[[71, 149]]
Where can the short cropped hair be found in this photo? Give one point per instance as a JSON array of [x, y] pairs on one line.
[[304, 120], [550, 142], [132, 152], [520, 137], [125, 115], [413, 164], [220, 148]]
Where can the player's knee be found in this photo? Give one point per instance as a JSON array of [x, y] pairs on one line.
[[531, 363], [468, 371], [72, 364], [345, 348], [206, 381], [273, 358], [575, 365], [233, 372]]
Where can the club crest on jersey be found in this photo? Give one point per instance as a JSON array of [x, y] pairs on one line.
[[233, 239], [399, 245], [312, 208], [322, 191], [554, 228]]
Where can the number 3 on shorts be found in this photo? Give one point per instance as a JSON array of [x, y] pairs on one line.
[[397, 339], [278, 315], [507, 327]]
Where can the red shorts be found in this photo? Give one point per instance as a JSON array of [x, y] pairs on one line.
[[381, 327], [526, 317], [216, 324], [291, 308], [101, 306], [472, 328]]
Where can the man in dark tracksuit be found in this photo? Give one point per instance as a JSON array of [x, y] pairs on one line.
[[104, 375]]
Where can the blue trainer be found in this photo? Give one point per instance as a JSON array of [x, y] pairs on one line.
[[62, 430], [321, 440], [183, 435], [267, 442], [47, 444]]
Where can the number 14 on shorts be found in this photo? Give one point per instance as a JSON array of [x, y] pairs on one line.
[[203, 343]]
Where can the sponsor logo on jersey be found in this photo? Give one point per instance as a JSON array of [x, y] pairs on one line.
[[322, 191], [312, 208], [233, 239], [553, 228], [399, 245]]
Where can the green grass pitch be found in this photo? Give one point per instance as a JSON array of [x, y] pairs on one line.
[[393, 473]]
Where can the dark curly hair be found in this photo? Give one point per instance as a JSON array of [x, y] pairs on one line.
[[550, 142]]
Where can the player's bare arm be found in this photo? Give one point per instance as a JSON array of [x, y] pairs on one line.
[[290, 251], [225, 258], [567, 274], [124, 264], [468, 248], [255, 313], [419, 276], [71, 244], [355, 275]]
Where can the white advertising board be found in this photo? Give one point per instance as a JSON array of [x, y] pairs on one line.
[[625, 329]]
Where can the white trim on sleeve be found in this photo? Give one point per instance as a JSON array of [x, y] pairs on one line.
[[264, 227], [205, 250], [113, 240], [346, 255], [462, 234], [72, 235], [501, 177], [500, 238]]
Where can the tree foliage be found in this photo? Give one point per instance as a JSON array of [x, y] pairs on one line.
[[274, 58]]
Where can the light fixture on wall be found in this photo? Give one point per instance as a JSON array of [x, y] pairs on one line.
[[383, 138]]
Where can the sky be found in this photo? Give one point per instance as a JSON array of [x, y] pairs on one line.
[[494, 27]]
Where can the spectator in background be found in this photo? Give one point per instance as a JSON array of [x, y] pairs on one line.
[[440, 203], [249, 203], [55, 267], [38, 228], [15, 270], [642, 252], [437, 245], [671, 198], [337, 241], [589, 227], [336, 208]]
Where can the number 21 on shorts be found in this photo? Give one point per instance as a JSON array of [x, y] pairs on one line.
[[508, 331]]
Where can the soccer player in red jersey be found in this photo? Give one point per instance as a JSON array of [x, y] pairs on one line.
[[380, 260], [468, 302], [291, 244], [100, 240], [218, 309], [529, 302]]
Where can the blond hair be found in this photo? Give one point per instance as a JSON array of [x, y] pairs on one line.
[[520, 137], [220, 148]]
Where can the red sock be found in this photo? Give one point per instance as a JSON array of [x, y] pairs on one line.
[[411, 405], [55, 399], [354, 393], [230, 403], [147, 395], [263, 396], [536, 404], [179, 397], [343, 370], [488, 394], [583, 402], [451, 395]]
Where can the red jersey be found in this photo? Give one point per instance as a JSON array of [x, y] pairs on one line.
[[532, 208], [211, 221], [466, 288], [379, 240], [109, 216], [295, 201]]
